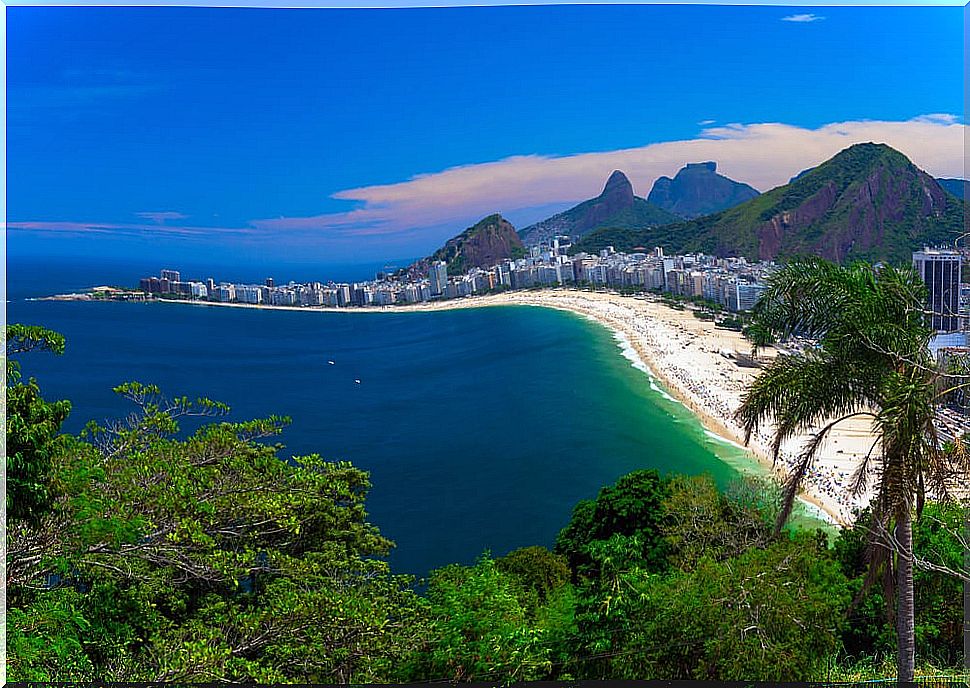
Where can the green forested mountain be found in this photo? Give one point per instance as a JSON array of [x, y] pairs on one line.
[[489, 241], [617, 206], [868, 202]]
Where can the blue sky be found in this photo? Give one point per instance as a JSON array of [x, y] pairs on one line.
[[228, 132]]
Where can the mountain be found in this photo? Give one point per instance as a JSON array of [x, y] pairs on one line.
[[867, 202], [489, 241], [615, 207], [697, 190], [957, 187]]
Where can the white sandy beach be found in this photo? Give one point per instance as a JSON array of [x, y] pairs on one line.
[[685, 354]]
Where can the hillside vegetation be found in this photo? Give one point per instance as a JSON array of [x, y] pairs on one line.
[[868, 202]]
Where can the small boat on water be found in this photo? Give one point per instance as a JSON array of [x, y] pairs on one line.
[[357, 382], [330, 362]]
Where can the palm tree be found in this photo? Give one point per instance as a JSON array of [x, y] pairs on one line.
[[871, 359]]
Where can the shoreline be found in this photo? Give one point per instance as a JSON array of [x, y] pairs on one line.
[[704, 381]]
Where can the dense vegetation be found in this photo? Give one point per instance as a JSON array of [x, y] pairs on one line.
[[868, 202], [142, 551], [489, 241]]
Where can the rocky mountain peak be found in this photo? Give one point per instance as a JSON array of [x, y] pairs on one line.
[[710, 166], [698, 190], [618, 187]]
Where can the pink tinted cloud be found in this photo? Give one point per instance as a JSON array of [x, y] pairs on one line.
[[764, 155]]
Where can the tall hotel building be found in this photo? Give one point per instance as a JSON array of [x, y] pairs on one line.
[[940, 270], [439, 277]]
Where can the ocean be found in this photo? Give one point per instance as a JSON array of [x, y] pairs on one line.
[[481, 428]]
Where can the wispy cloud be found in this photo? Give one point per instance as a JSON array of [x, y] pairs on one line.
[[74, 93], [161, 217], [763, 155], [802, 18], [132, 229], [706, 122]]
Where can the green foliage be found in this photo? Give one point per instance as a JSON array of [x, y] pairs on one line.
[[24, 338], [480, 629], [33, 425], [766, 615], [700, 521], [33, 428], [149, 555], [173, 560], [939, 607], [45, 640], [619, 529], [540, 572], [872, 360]]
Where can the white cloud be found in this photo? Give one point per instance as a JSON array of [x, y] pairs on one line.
[[802, 18], [763, 155]]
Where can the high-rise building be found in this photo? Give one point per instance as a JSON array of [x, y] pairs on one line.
[[940, 269], [171, 275], [439, 277]]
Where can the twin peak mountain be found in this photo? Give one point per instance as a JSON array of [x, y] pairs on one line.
[[867, 202]]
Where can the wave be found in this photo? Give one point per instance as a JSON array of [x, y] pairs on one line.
[[815, 511], [724, 440], [630, 354]]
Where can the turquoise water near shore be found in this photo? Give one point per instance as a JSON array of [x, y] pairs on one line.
[[481, 428]]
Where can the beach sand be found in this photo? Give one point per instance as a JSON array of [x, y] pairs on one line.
[[686, 355]]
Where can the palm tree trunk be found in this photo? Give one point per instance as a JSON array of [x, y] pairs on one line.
[[905, 606], [966, 596]]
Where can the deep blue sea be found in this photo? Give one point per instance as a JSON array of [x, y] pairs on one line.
[[481, 428]]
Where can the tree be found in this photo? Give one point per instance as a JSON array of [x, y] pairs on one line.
[[765, 615], [480, 628], [207, 558], [33, 425], [701, 521], [620, 527], [938, 603], [540, 572], [872, 359]]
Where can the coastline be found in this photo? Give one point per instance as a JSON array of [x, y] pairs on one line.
[[686, 356]]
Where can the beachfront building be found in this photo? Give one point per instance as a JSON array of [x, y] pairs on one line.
[[732, 282], [198, 290], [438, 275], [249, 293], [940, 269], [747, 295], [225, 292]]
